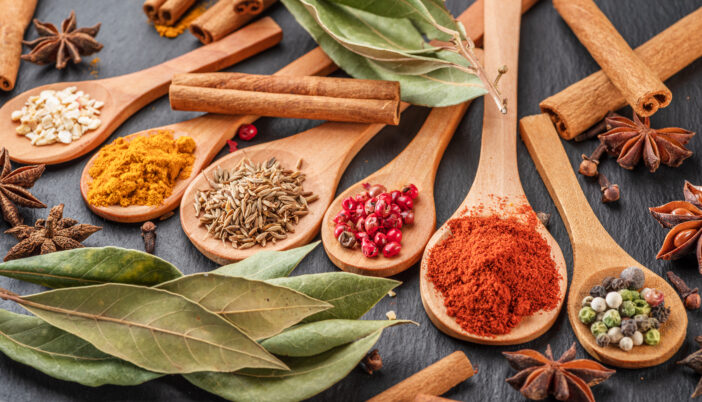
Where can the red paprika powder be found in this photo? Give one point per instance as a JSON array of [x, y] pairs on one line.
[[493, 271]]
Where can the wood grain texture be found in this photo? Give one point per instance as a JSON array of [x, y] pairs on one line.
[[125, 95], [595, 254], [636, 82]]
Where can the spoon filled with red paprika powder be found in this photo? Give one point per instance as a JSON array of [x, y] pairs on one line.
[[492, 273]]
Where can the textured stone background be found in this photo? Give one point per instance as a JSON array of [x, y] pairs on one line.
[[551, 58]]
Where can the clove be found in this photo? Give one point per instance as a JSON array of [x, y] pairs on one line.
[[372, 362], [544, 217], [610, 192], [589, 165], [691, 297], [595, 130], [148, 232]]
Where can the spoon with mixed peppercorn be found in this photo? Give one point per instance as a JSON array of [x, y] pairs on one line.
[[496, 191], [598, 259], [120, 96]]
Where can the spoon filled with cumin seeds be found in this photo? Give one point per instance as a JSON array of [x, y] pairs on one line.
[[492, 274]]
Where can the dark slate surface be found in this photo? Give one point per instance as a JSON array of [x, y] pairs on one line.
[[551, 58]]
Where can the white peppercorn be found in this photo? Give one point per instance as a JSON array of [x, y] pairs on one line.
[[598, 304], [613, 299], [626, 343], [637, 338], [586, 301], [615, 334]]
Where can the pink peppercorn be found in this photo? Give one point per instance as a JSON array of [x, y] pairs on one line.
[[391, 249]]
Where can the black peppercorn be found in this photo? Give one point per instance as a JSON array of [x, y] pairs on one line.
[[628, 327], [660, 313], [598, 291], [607, 283], [618, 284], [347, 239]]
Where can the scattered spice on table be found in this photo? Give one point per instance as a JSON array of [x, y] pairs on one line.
[[589, 165], [610, 192], [247, 132], [372, 362], [140, 171], [493, 271], [633, 140], [57, 116], [148, 232], [57, 47], [694, 361], [48, 235], [14, 188], [566, 379], [173, 31], [374, 219], [684, 218], [691, 297], [253, 203], [544, 218], [621, 312], [233, 145]]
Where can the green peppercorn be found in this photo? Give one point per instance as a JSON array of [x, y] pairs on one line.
[[587, 315], [641, 307], [627, 309], [626, 295], [635, 294], [597, 328], [612, 318], [586, 301], [652, 337]]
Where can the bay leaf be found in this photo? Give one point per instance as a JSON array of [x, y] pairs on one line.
[[258, 308], [91, 266], [31, 341], [150, 328], [351, 295], [267, 264], [443, 87], [318, 337], [308, 376]]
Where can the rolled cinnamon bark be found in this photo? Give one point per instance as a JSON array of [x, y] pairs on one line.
[[220, 20], [584, 103], [14, 18], [248, 6], [317, 98], [171, 10], [639, 85], [151, 8]]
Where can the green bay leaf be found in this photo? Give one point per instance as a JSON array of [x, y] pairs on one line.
[[258, 308], [351, 295], [150, 328], [318, 337], [91, 266], [54, 352], [267, 264], [307, 377]]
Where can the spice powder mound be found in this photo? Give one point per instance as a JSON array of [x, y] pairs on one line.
[[141, 171], [492, 272]]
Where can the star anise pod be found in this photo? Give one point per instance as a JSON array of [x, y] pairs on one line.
[[57, 47], [13, 188], [566, 379], [48, 235], [694, 361], [634, 139], [685, 220]]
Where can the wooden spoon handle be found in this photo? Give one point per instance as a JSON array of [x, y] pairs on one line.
[[586, 233], [144, 86]]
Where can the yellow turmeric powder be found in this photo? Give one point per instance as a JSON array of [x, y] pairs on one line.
[[142, 171], [183, 24]]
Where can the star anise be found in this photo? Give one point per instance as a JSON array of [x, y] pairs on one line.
[[694, 361], [685, 220], [566, 379], [48, 235], [13, 188], [634, 139], [57, 47]]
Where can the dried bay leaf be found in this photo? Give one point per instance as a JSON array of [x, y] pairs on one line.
[[54, 352], [318, 337], [308, 376], [351, 295], [91, 266], [267, 264], [258, 308], [151, 328]]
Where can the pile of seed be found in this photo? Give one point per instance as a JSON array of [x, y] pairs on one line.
[[254, 203]]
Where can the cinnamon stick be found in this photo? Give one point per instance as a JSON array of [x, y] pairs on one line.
[[317, 98], [430, 398], [14, 18], [433, 380], [584, 103], [248, 6], [639, 85], [151, 8], [220, 20], [171, 10]]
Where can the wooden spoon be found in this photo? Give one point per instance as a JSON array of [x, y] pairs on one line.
[[497, 180], [125, 95], [417, 164], [595, 254], [210, 133], [326, 151]]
